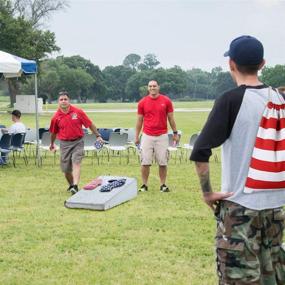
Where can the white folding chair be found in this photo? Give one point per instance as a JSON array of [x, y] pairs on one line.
[[89, 140], [118, 144], [174, 147]]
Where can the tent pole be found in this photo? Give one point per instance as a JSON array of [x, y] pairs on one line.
[[37, 122]]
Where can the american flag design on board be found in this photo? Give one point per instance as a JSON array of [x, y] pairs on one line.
[[267, 166]]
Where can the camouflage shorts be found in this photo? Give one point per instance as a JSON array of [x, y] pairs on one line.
[[249, 245]]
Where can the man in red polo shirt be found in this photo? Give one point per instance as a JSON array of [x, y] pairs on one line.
[[153, 112], [66, 125]]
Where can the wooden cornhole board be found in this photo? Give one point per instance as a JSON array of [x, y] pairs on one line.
[[96, 200]]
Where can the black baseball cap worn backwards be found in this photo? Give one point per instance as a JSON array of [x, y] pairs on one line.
[[246, 50]]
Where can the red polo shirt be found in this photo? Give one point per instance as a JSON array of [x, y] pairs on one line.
[[154, 112], [68, 126]]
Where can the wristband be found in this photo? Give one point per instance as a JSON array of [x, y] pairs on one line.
[[98, 136], [175, 132]]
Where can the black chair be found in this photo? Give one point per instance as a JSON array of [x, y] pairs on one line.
[[41, 131], [5, 147], [17, 147]]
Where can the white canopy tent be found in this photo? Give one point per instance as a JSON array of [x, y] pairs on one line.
[[14, 66]]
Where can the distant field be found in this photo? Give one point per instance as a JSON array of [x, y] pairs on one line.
[[187, 122], [4, 102], [98, 106], [3, 99]]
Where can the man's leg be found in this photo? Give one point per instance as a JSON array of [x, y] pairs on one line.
[[145, 169], [238, 242], [69, 177], [76, 158], [161, 155], [146, 159], [162, 174], [76, 173]]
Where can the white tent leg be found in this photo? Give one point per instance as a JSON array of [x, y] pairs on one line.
[[38, 155]]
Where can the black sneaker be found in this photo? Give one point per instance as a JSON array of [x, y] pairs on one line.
[[164, 188], [143, 188], [74, 189], [69, 188]]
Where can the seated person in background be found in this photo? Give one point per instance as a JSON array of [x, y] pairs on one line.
[[15, 128], [18, 126]]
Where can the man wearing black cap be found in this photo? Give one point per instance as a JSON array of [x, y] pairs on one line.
[[249, 225]]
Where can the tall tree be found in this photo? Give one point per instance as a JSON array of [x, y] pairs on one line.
[[77, 81], [132, 61], [136, 85], [98, 88], [116, 78], [274, 76], [150, 62], [36, 11], [18, 36]]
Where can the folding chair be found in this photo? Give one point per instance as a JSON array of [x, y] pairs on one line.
[[89, 141], [30, 139], [174, 148], [189, 146], [117, 143], [5, 147], [45, 144], [42, 131], [17, 147], [105, 134]]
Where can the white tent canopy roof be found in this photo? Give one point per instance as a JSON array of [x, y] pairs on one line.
[[9, 64], [12, 65]]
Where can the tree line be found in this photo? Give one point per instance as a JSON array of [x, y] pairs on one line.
[[21, 33], [127, 82]]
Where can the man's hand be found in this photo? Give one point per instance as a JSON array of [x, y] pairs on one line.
[[211, 198], [52, 147], [99, 138], [175, 138], [137, 140]]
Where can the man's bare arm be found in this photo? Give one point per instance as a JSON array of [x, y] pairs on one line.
[[138, 128], [210, 197], [202, 169]]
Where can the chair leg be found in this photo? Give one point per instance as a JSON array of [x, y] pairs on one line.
[[14, 158]]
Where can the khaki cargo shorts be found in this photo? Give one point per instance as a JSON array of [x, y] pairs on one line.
[[154, 146], [249, 245], [71, 152]]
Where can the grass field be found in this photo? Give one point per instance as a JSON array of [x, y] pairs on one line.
[[157, 238], [4, 102]]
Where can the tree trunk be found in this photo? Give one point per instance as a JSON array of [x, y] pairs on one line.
[[13, 87]]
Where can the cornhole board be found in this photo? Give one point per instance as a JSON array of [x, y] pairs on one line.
[[96, 200]]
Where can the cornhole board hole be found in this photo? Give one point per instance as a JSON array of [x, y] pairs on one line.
[[96, 200]]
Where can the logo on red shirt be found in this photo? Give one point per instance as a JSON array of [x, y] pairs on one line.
[[74, 116]]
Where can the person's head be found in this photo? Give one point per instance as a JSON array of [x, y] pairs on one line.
[[16, 115], [281, 89], [153, 88], [63, 100], [246, 56]]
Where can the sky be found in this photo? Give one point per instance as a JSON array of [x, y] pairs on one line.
[[187, 33]]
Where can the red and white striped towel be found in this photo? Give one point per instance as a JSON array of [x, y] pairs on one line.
[[267, 166]]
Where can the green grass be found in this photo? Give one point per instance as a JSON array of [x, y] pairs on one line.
[[157, 238], [99, 106]]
